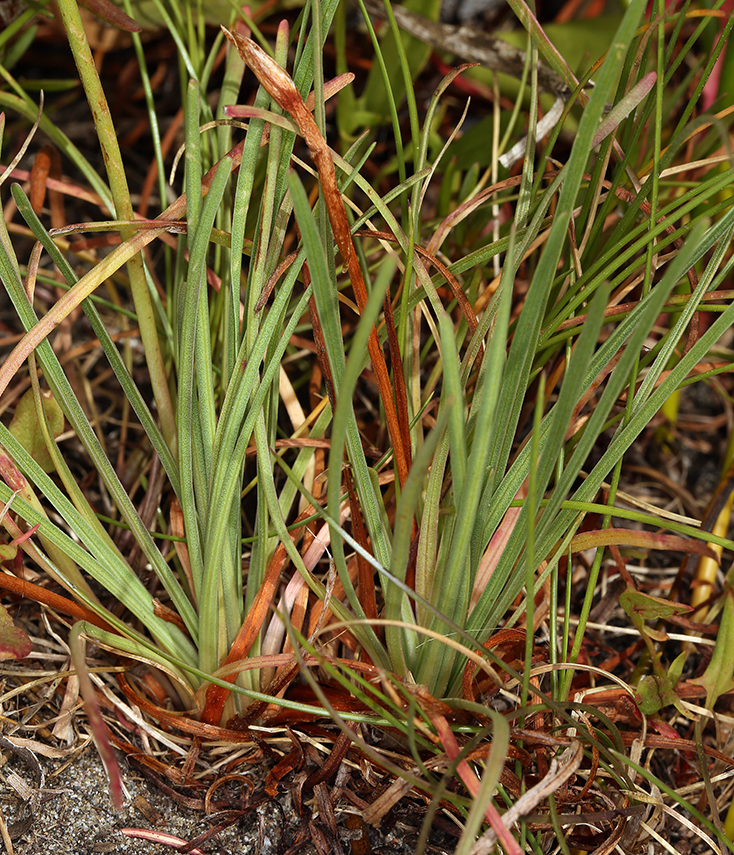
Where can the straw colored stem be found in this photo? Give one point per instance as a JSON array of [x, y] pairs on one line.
[[107, 136]]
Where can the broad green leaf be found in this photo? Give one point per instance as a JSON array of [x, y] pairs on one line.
[[719, 676], [8, 551], [26, 427], [643, 607]]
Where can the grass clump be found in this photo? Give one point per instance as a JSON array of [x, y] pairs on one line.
[[381, 421]]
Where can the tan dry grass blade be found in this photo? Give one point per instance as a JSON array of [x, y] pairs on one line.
[[560, 770]]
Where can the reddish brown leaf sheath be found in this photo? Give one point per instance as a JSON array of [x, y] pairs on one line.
[[283, 90]]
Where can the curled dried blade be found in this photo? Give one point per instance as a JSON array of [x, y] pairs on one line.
[[560, 770], [284, 92]]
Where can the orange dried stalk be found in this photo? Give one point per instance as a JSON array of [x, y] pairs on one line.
[[283, 90]]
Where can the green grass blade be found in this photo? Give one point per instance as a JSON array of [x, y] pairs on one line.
[[327, 305], [132, 393], [102, 562], [187, 398]]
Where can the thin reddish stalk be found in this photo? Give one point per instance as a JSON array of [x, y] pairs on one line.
[[216, 696], [451, 280], [282, 89], [471, 782], [53, 601], [366, 588], [401, 394], [365, 573]]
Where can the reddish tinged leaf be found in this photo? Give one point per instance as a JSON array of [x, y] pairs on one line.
[[643, 607], [26, 535], [39, 175], [46, 166], [283, 90], [624, 107], [109, 13], [646, 539], [663, 728], [14, 641], [10, 473], [471, 782], [8, 551], [331, 88]]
